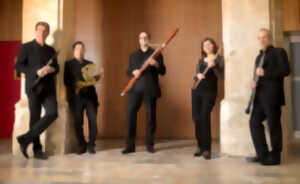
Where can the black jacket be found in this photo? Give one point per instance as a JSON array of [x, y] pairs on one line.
[[148, 82], [31, 58], [270, 89], [209, 85], [73, 74]]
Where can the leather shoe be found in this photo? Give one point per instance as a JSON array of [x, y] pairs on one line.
[[151, 149], [128, 151], [270, 161], [253, 159], [91, 149], [82, 150], [23, 146], [207, 155], [198, 153], [40, 155]]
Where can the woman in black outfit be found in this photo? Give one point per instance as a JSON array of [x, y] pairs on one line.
[[204, 95]]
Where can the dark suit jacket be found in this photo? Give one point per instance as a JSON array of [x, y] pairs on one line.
[[276, 66], [148, 82], [31, 58], [73, 74]]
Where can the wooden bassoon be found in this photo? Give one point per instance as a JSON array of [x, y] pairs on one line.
[[153, 56]]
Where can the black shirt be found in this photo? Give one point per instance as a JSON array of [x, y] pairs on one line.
[[209, 85], [148, 82], [31, 58], [276, 67], [72, 75]]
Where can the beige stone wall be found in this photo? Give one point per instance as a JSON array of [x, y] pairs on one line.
[[241, 21], [240, 27]]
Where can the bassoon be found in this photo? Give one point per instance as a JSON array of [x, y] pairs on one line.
[[153, 56], [256, 79]]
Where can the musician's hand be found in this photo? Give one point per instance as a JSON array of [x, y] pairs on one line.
[[260, 71], [136, 73], [253, 84], [50, 69], [101, 72], [200, 76], [97, 77], [80, 84], [211, 61], [42, 72], [153, 62]]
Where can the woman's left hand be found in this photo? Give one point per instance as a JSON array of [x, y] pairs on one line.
[[211, 62]]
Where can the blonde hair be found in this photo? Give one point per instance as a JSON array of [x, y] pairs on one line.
[[42, 23]]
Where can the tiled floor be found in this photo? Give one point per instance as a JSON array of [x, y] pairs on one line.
[[173, 163]]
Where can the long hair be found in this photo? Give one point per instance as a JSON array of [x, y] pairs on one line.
[[213, 42]]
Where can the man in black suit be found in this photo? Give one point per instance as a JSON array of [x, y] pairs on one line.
[[145, 89], [268, 100], [85, 99], [32, 61]]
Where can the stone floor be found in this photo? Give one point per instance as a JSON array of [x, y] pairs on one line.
[[173, 163]]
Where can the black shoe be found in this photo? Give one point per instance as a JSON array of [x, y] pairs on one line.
[[40, 155], [151, 149], [23, 146], [253, 159], [128, 151], [198, 153], [82, 150], [270, 161], [207, 155], [91, 149]]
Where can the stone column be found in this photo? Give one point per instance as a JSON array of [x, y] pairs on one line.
[[241, 22], [60, 136]]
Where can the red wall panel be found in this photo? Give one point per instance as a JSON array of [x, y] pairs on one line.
[[9, 86]]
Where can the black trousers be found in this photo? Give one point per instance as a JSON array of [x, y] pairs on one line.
[[81, 105], [134, 104], [202, 106], [37, 123], [272, 114]]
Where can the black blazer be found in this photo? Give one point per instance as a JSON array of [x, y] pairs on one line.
[[148, 82], [270, 88], [31, 58], [209, 86]]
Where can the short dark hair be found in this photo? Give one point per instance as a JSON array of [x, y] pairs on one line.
[[212, 41], [147, 33], [78, 43], [42, 23]]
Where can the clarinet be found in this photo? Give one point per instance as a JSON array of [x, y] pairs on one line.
[[37, 81], [256, 79]]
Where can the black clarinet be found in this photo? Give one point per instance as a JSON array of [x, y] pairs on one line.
[[37, 81], [256, 79]]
